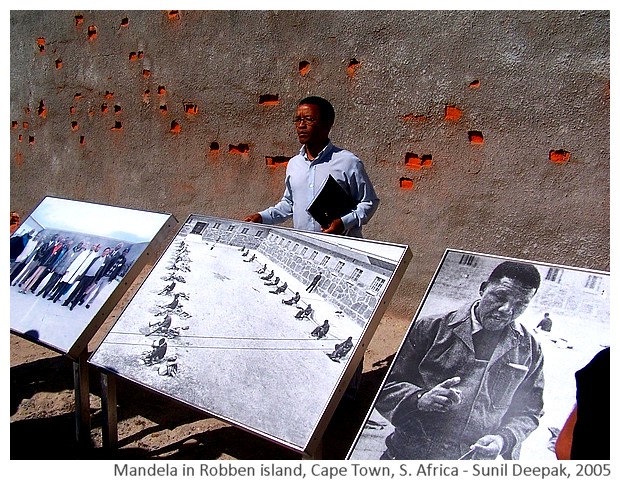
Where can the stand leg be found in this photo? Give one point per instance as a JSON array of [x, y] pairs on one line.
[[316, 455], [82, 401], [108, 406]]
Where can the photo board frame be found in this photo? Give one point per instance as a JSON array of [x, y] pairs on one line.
[[232, 321], [51, 253], [568, 317]]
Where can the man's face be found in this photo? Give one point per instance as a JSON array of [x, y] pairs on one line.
[[502, 302], [106, 252], [309, 125]]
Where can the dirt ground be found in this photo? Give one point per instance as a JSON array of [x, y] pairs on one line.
[[151, 426]]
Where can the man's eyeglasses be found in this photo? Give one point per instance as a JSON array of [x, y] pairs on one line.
[[304, 120]]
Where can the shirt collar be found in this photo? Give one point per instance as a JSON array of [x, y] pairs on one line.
[[476, 326], [302, 152]]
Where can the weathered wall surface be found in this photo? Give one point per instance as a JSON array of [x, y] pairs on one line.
[[484, 131]]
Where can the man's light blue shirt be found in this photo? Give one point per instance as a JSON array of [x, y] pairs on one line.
[[304, 179]]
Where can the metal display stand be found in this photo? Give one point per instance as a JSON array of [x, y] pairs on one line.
[[108, 407], [82, 404], [40, 322], [110, 418], [357, 278]]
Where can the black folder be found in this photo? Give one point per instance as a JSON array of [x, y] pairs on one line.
[[330, 203]]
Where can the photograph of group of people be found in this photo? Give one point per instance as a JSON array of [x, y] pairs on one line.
[[489, 366], [67, 258], [249, 340]]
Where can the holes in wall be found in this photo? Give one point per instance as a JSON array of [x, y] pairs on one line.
[[108, 95], [175, 127], [163, 109], [415, 161], [74, 126], [190, 108], [269, 100], [475, 137], [117, 126], [214, 147], [240, 149], [79, 21], [92, 33], [352, 67], [25, 125], [146, 73], [406, 183], [117, 109], [559, 156], [27, 110], [104, 108], [41, 44], [82, 140], [58, 63], [20, 137], [77, 96], [174, 15], [161, 90], [31, 140], [42, 110], [125, 22], [14, 124], [140, 54], [304, 68], [417, 117], [133, 56], [452, 113], [475, 84], [72, 110], [276, 161]]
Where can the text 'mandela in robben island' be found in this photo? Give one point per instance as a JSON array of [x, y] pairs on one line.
[[391, 469]]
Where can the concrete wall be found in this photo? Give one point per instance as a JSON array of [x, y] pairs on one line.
[[485, 131]]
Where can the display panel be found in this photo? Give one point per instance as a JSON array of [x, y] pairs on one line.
[[489, 360], [260, 326], [71, 262]]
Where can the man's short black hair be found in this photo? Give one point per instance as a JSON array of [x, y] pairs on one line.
[[525, 273], [327, 110]]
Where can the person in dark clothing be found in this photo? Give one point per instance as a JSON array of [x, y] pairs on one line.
[[586, 434], [341, 350], [545, 324], [313, 283], [320, 331], [18, 243]]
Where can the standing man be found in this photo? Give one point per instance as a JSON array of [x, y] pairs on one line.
[[307, 171], [468, 384]]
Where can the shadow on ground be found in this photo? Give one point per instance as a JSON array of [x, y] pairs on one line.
[[48, 432]]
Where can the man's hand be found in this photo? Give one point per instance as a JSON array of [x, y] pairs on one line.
[[442, 397], [488, 447], [336, 227], [254, 218]]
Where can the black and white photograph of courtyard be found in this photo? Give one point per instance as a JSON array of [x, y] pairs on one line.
[[250, 323]]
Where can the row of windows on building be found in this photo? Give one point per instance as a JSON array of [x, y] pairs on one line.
[[375, 286], [554, 274]]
